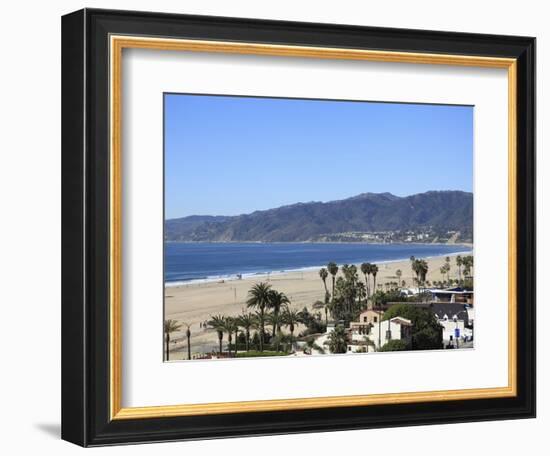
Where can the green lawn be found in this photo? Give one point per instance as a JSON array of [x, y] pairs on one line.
[[255, 354]]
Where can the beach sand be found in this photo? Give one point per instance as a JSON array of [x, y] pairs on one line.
[[195, 303]]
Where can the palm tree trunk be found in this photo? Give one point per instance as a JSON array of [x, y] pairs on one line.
[[188, 345], [370, 289], [262, 330], [247, 340], [379, 330], [220, 338], [276, 313], [167, 347]]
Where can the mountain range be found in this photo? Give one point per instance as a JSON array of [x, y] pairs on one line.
[[437, 212]]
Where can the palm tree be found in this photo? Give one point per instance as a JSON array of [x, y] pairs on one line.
[[247, 321], [459, 263], [398, 273], [188, 335], [374, 271], [333, 270], [291, 319], [276, 320], [276, 301], [350, 272], [170, 326], [421, 269], [366, 270], [237, 323], [361, 292], [217, 322], [323, 273], [230, 326], [259, 299], [379, 325], [323, 305], [468, 263], [327, 307], [337, 340], [443, 271]]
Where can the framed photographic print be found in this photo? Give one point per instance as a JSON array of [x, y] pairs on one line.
[[278, 227]]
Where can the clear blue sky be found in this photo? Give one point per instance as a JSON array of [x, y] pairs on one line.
[[233, 155]]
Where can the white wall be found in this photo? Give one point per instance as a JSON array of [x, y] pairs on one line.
[[449, 329], [382, 331], [30, 228]]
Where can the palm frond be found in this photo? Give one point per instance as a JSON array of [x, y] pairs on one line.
[[171, 326]]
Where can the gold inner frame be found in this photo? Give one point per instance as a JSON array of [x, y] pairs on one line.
[[117, 44]]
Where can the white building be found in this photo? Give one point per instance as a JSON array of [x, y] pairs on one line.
[[370, 332], [455, 319]]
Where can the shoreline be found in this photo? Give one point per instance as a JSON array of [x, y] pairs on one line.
[[259, 274]]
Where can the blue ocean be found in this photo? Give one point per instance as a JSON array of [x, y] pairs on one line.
[[186, 262]]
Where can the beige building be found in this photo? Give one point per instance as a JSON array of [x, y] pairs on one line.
[[367, 317]]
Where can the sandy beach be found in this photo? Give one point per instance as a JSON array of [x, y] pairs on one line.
[[194, 303]]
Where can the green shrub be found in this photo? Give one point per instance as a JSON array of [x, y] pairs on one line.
[[256, 354], [394, 345]]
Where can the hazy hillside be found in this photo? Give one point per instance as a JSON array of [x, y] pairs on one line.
[[436, 211]]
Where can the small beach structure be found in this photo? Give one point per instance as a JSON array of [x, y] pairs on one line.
[[451, 295]]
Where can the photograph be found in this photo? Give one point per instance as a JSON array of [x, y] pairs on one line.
[[310, 227], [270, 221]]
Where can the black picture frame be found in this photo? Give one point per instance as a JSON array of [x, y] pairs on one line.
[[85, 225]]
